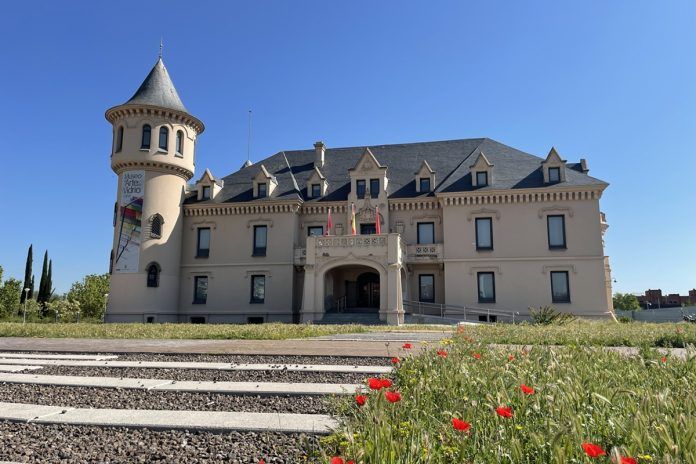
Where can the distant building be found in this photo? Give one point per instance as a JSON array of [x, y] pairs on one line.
[[655, 299]]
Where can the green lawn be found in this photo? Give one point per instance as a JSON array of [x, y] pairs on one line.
[[641, 408], [274, 331]]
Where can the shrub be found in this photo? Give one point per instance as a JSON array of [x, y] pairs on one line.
[[547, 315]]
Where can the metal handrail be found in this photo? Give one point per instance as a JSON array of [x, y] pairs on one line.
[[471, 310]]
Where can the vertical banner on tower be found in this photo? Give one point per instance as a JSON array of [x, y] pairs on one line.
[[130, 222]]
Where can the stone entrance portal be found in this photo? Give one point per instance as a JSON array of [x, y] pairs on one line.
[[354, 274]]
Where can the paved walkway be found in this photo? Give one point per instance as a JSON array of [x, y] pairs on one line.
[[378, 345]]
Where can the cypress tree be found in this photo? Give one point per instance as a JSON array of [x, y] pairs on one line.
[[27, 274], [31, 288], [41, 299], [49, 279]]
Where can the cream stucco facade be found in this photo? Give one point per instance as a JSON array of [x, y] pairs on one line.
[[464, 224]]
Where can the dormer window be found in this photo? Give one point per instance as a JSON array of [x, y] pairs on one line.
[[205, 194], [262, 190], [360, 188], [374, 188], [424, 184], [316, 190], [481, 178], [554, 175]]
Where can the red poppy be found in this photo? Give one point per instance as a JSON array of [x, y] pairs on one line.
[[374, 383], [360, 399], [504, 411], [460, 425], [627, 460], [261, 461], [460, 329], [527, 390], [476, 355], [395, 360], [442, 353], [593, 451], [392, 397], [663, 359], [511, 357], [337, 460], [385, 383], [350, 462], [407, 346]]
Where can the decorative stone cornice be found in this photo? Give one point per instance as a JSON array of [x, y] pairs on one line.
[[121, 166], [223, 209], [122, 111], [407, 204], [526, 196]]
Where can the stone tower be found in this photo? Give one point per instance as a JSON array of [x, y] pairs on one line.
[[153, 156]]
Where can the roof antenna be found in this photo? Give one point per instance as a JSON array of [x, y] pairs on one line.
[[161, 47], [249, 139]]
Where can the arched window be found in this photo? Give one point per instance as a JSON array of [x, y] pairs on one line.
[[147, 135], [156, 226], [179, 142], [164, 138], [119, 139], [153, 272]]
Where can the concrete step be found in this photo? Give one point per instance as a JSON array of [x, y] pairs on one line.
[[6, 355], [232, 388], [17, 368], [351, 318], [157, 419], [328, 368]]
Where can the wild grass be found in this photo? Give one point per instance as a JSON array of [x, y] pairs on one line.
[[643, 408]]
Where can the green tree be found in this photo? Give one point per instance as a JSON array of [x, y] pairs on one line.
[[27, 274], [89, 293], [9, 297], [626, 301], [42, 298]]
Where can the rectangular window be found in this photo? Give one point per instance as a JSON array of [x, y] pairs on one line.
[[426, 233], [486, 287], [206, 192], [261, 190], [374, 188], [258, 288], [556, 231], [360, 188], [426, 288], [316, 190], [560, 289], [554, 175], [164, 138], [482, 178], [424, 184], [260, 240], [484, 233], [200, 289], [316, 231], [203, 246]]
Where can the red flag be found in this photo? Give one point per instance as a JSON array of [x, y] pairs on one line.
[[378, 228], [353, 230], [329, 224]]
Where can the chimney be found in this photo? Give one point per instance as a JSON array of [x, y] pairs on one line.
[[319, 150], [583, 166]]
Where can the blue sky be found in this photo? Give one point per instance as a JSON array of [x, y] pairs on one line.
[[613, 82]]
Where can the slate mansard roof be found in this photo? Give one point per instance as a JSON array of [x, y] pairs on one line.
[[158, 90], [451, 160]]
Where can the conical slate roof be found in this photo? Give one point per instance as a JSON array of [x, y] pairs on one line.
[[158, 90]]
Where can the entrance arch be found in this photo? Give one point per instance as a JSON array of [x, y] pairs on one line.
[[352, 288]]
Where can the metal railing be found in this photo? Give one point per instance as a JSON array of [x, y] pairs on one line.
[[445, 311]]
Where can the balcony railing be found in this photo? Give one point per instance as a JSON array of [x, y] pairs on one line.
[[424, 253]]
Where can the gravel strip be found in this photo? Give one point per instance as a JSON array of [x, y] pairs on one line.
[[207, 374], [116, 398], [252, 359], [69, 444]]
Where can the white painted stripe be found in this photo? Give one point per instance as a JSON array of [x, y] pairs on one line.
[[206, 365], [4, 355], [240, 388], [191, 420], [17, 368]]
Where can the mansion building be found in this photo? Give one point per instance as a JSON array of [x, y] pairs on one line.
[[463, 223]]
